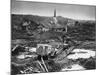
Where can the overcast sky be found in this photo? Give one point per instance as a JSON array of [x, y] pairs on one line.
[[82, 12]]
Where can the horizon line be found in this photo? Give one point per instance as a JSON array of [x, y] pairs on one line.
[[52, 16]]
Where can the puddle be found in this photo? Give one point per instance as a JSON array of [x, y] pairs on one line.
[[74, 67], [81, 53]]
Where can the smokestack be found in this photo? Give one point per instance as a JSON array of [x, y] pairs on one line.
[[55, 13]]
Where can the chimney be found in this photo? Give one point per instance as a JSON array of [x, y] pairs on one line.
[[55, 13]]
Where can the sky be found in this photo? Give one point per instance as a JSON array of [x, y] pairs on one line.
[[80, 12]]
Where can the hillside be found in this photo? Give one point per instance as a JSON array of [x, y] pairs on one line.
[[78, 30]]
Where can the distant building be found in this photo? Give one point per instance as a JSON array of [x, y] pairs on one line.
[[44, 49], [57, 27]]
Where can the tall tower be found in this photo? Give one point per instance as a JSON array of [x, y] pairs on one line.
[[55, 13], [54, 17]]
